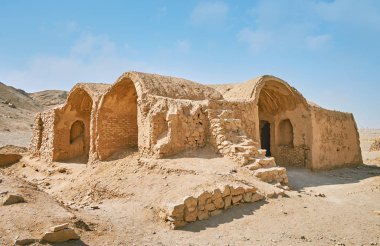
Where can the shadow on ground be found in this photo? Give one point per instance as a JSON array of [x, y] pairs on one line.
[[300, 178], [70, 243], [236, 212]]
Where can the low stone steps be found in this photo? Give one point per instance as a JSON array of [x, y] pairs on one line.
[[265, 162], [272, 174], [266, 170]]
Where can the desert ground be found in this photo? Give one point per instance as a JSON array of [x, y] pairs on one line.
[[118, 202]]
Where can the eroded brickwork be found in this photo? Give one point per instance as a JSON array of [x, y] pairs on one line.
[[161, 116]]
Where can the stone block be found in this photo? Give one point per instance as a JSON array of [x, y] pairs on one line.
[[12, 199], [237, 191], [247, 197], [219, 203], [202, 199], [177, 211], [60, 236], [216, 194], [59, 227], [226, 191], [236, 199], [190, 216], [210, 207], [227, 202], [190, 203], [203, 215]]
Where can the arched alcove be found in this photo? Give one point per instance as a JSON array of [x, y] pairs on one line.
[[77, 132], [286, 111], [117, 119], [72, 129], [77, 139], [285, 132]]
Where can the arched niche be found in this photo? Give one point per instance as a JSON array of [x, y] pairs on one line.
[[72, 128], [285, 133], [287, 113], [117, 127]]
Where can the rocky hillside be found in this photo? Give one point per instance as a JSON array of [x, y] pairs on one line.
[[49, 98], [17, 110]]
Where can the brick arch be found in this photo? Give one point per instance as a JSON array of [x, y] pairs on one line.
[[77, 109], [288, 113], [117, 127]]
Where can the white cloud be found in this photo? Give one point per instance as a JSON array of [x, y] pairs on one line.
[[284, 25], [318, 41], [91, 58], [256, 40], [209, 13], [364, 14]]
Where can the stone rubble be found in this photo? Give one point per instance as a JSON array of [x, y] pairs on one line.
[[60, 233], [12, 199], [209, 204]]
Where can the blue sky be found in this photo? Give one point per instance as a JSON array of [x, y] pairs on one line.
[[328, 50]]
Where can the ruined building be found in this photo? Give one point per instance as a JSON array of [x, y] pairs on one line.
[[161, 116]]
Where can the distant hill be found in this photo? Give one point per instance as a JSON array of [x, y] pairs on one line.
[[20, 99], [18, 109], [49, 98]]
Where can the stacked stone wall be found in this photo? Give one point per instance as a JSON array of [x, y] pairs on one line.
[[209, 203]]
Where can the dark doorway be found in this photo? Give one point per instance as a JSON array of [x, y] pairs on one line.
[[265, 136]]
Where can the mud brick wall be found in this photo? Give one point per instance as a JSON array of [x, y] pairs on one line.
[[294, 156], [117, 127], [335, 139], [41, 144]]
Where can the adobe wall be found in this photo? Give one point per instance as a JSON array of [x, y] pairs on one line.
[[116, 120], [77, 108], [335, 139], [175, 125], [297, 154], [41, 144], [246, 111], [172, 125]]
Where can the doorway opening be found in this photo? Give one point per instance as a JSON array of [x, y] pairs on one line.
[[265, 136]]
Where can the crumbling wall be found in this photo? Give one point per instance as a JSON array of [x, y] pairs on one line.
[[41, 144], [176, 125], [117, 127], [246, 111], [335, 139]]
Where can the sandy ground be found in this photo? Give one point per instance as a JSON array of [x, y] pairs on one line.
[[117, 202], [326, 208]]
